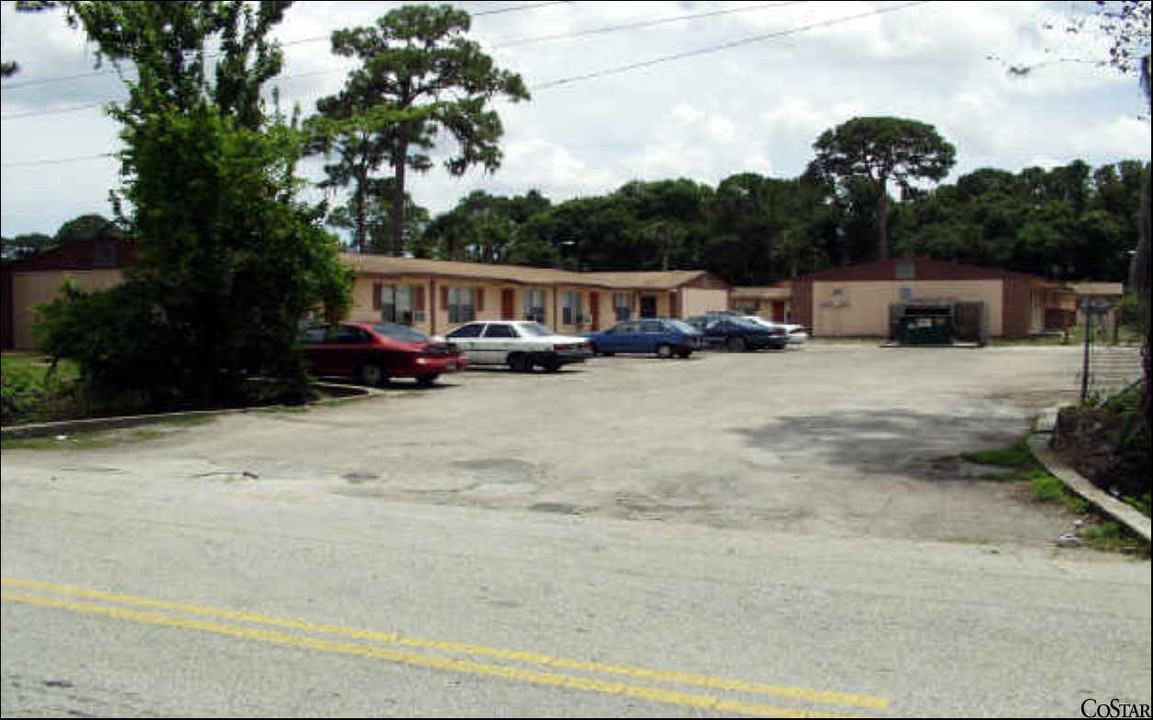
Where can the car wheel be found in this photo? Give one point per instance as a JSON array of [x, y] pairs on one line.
[[736, 344], [518, 362], [550, 364], [372, 374], [426, 380], [682, 354], [665, 352]]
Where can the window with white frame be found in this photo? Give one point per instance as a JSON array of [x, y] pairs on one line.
[[461, 305], [623, 305], [532, 302], [571, 308], [396, 304]]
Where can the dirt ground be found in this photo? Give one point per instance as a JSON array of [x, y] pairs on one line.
[[836, 439]]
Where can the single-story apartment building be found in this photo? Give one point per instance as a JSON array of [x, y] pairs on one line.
[[433, 296], [772, 302], [93, 264], [857, 300]]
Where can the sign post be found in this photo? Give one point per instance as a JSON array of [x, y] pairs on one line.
[[1091, 307]]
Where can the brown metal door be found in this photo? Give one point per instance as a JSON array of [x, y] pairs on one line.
[[969, 317], [506, 305], [595, 310]]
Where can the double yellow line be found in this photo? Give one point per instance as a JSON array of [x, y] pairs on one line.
[[386, 646]]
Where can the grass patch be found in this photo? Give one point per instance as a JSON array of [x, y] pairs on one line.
[[97, 439], [31, 390], [1017, 455], [1141, 503], [1047, 488], [1095, 528], [34, 392], [1109, 536], [1043, 486], [277, 409]]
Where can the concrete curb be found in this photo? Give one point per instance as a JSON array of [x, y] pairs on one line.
[[1039, 443], [65, 427], [930, 346]]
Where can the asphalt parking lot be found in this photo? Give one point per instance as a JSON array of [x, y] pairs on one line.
[[836, 439], [767, 534]]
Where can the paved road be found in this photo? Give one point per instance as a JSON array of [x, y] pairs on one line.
[[755, 534]]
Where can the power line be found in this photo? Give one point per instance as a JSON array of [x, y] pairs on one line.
[[719, 48], [299, 41], [56, 111], [60, 78], [522, 41], [633, 66], [642, 24], [517, 8], [57, 161]]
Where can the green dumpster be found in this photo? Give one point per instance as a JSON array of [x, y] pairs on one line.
[[926, 325]]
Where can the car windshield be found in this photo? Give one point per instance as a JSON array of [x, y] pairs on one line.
[[401, 333], [683, 326], [535, 329], [312, 336]]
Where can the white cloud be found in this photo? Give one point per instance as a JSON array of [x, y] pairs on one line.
[[756, 107]]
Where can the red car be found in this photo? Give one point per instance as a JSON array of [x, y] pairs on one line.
[[374, 354]]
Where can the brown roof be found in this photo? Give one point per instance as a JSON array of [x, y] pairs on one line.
[[520, 274], [923, 269], [654, 280]]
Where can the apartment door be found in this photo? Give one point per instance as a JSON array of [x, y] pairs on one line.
[[648, 306]]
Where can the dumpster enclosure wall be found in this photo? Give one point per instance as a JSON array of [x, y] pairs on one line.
[[862, 307]]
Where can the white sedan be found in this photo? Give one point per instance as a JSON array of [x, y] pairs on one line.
[[796, 333], [522, 345]]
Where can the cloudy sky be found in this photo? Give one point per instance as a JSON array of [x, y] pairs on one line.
[[721, 88]]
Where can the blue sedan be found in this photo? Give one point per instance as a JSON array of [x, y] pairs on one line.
[[660, 336]]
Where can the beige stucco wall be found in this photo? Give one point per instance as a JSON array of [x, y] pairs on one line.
[[698, 301], [33, 288], [863, 308]]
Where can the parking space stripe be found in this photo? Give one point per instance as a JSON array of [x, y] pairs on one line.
[[685, 679]]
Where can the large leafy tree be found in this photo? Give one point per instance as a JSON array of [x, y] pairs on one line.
[[85, 227], [351, 134], [371, 214], [229, 260], [420, 76], [26, 245], [883, 149]]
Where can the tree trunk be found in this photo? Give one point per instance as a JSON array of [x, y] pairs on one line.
[[398, 193], [360, 223], [1141, 279], [883, 223]]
